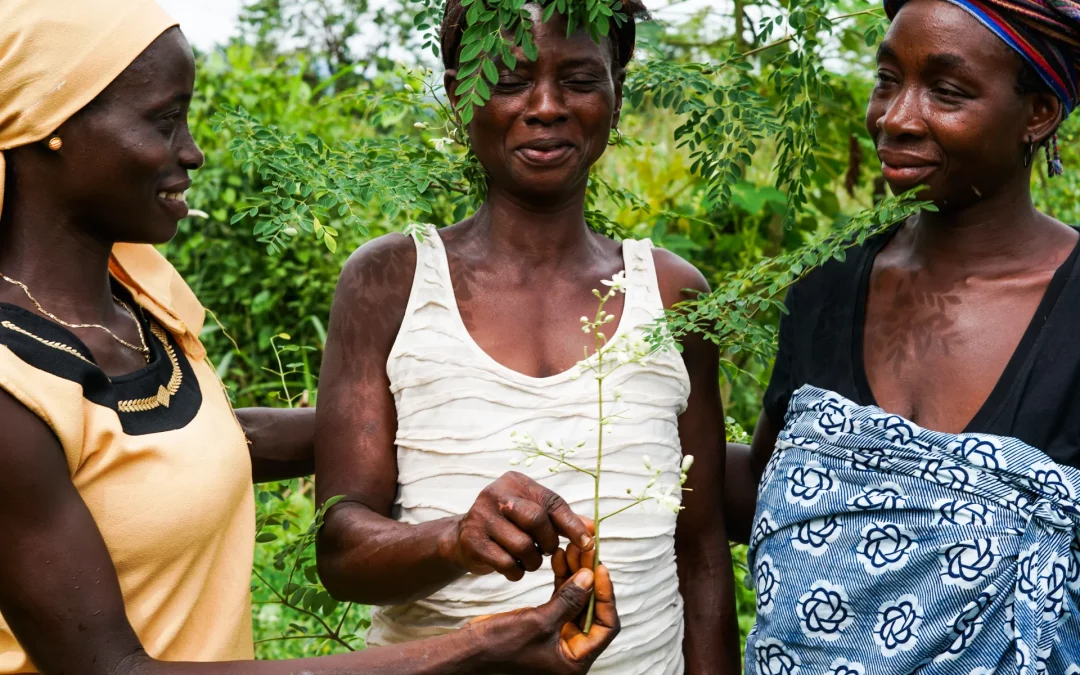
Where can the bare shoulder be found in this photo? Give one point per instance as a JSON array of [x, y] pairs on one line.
[[382, 265], [678, 279], [371, 299]]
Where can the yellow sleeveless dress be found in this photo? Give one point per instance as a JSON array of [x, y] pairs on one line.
[[159, 458]]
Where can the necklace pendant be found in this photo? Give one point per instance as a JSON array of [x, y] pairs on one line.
[[163, 396]]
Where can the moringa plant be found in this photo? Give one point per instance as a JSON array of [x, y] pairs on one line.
[[427, 172], [607, 358]]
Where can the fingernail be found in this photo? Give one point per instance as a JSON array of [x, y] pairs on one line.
[[586, 541], [582, 579]]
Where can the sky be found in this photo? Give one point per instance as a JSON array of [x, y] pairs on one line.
[[210, 22], [205, 22]]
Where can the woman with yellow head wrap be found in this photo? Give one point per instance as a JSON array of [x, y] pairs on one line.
[[126, 511]]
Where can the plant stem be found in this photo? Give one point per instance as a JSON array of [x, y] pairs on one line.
[[285, 601], [281, 371], [345, 615], [600, 339], [740, 16], [560, 460], [293, 637], [623, 509]]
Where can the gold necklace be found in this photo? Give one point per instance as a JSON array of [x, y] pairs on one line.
[[144, 349], [164, 395]]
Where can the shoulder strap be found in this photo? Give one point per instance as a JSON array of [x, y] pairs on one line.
[[641, 277], [431, 281]]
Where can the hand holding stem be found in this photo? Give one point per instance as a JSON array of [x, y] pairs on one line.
[[607, 358]]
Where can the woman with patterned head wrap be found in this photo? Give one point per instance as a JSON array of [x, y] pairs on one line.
[[126, 512], [919, 511]]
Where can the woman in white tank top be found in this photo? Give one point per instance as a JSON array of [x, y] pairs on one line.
[[444, 343]]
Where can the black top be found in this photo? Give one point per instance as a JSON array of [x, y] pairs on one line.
[[1036, 400], [50, 347]]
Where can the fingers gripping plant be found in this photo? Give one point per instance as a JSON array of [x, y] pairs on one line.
[[608, 358]]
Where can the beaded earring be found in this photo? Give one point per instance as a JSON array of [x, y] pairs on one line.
[[55, 143], [1054, 167]]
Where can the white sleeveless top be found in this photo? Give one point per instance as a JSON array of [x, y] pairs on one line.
[[456, 409]]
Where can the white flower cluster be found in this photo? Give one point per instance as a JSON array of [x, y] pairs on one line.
[[442, 143], [533, 449], [666, 496], [609, 356], [622, 351]]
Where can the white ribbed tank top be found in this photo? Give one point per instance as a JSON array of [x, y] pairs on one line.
[[456, 408]]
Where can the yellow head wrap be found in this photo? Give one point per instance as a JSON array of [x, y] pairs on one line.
[[58, 55], [55, 57]]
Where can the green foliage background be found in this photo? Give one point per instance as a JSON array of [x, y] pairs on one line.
[[745, 152]]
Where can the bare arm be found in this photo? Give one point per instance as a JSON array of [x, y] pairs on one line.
[[281, 441], [364, 554], [69, 615], [745, 464], [706, 579]]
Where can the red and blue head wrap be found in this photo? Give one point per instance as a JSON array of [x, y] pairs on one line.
[[1045, 32]]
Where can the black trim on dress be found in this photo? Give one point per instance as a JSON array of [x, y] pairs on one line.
[[52, 348]]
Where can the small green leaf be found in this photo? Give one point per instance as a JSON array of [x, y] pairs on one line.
[[490, 71]]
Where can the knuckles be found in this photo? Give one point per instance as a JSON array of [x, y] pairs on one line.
[[551, 501], [535, 624], [537, 520], [573, 598]]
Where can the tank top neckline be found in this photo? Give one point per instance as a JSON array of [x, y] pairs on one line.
[[442, 260]]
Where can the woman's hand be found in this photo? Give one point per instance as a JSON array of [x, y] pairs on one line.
[[549, 639], [512, 525]]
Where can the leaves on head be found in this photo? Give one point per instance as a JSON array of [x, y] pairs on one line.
[[495, 28]]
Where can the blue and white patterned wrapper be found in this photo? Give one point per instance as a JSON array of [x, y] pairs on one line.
[[882, 548]]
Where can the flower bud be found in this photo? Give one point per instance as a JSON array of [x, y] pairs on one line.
[[687, 462]]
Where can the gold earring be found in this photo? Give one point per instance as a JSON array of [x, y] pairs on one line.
[[55, 143]]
